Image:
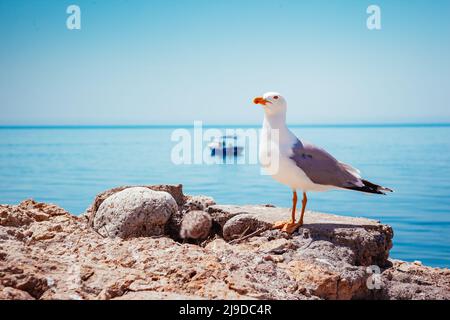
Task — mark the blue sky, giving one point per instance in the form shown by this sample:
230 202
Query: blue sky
173 62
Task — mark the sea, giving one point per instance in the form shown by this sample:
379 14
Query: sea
69 165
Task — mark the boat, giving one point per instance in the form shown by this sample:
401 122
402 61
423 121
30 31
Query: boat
225 146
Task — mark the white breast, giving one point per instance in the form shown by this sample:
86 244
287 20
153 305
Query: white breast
275 158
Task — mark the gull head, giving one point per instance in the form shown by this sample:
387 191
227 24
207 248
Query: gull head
272 102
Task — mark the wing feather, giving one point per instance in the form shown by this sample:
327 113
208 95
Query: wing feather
322 168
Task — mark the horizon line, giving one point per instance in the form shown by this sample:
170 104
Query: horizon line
162 126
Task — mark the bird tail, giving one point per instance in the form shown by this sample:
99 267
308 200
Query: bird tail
370 187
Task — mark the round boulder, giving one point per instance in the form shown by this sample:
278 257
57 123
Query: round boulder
242 225
196 225
134 212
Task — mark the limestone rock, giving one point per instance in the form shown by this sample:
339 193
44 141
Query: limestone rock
198 203
191 203
176 191
154 295
134 212
242 225
9 293
368 240
196 225
46 253
406 281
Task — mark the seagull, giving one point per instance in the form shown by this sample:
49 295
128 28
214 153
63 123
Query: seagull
301 165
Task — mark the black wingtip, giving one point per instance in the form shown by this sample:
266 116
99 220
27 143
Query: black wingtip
370 187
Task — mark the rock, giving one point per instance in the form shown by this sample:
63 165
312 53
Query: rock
24 280
191 203
369 240
134 212
176 191
242 225
196 225
9 293
46 253
406 281
277 246
198 203
153 295
27 212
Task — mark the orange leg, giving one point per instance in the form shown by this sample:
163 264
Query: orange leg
304 201
291 226
294 206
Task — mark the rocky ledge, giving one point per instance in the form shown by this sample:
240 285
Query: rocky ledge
154 242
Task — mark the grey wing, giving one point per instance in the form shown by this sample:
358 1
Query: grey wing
322 168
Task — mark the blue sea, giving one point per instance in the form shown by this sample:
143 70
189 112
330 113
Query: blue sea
68 166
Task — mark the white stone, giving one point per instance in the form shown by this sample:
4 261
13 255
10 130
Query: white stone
134 212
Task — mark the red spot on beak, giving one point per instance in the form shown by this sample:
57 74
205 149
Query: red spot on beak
260 100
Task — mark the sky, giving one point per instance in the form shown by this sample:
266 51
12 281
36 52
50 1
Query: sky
164 62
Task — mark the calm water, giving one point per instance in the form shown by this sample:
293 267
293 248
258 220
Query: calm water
69 166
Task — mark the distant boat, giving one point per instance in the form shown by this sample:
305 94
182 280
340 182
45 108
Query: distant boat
225 146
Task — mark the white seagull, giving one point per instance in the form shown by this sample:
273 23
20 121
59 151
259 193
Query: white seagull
301 165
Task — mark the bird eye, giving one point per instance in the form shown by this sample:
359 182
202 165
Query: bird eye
276 97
